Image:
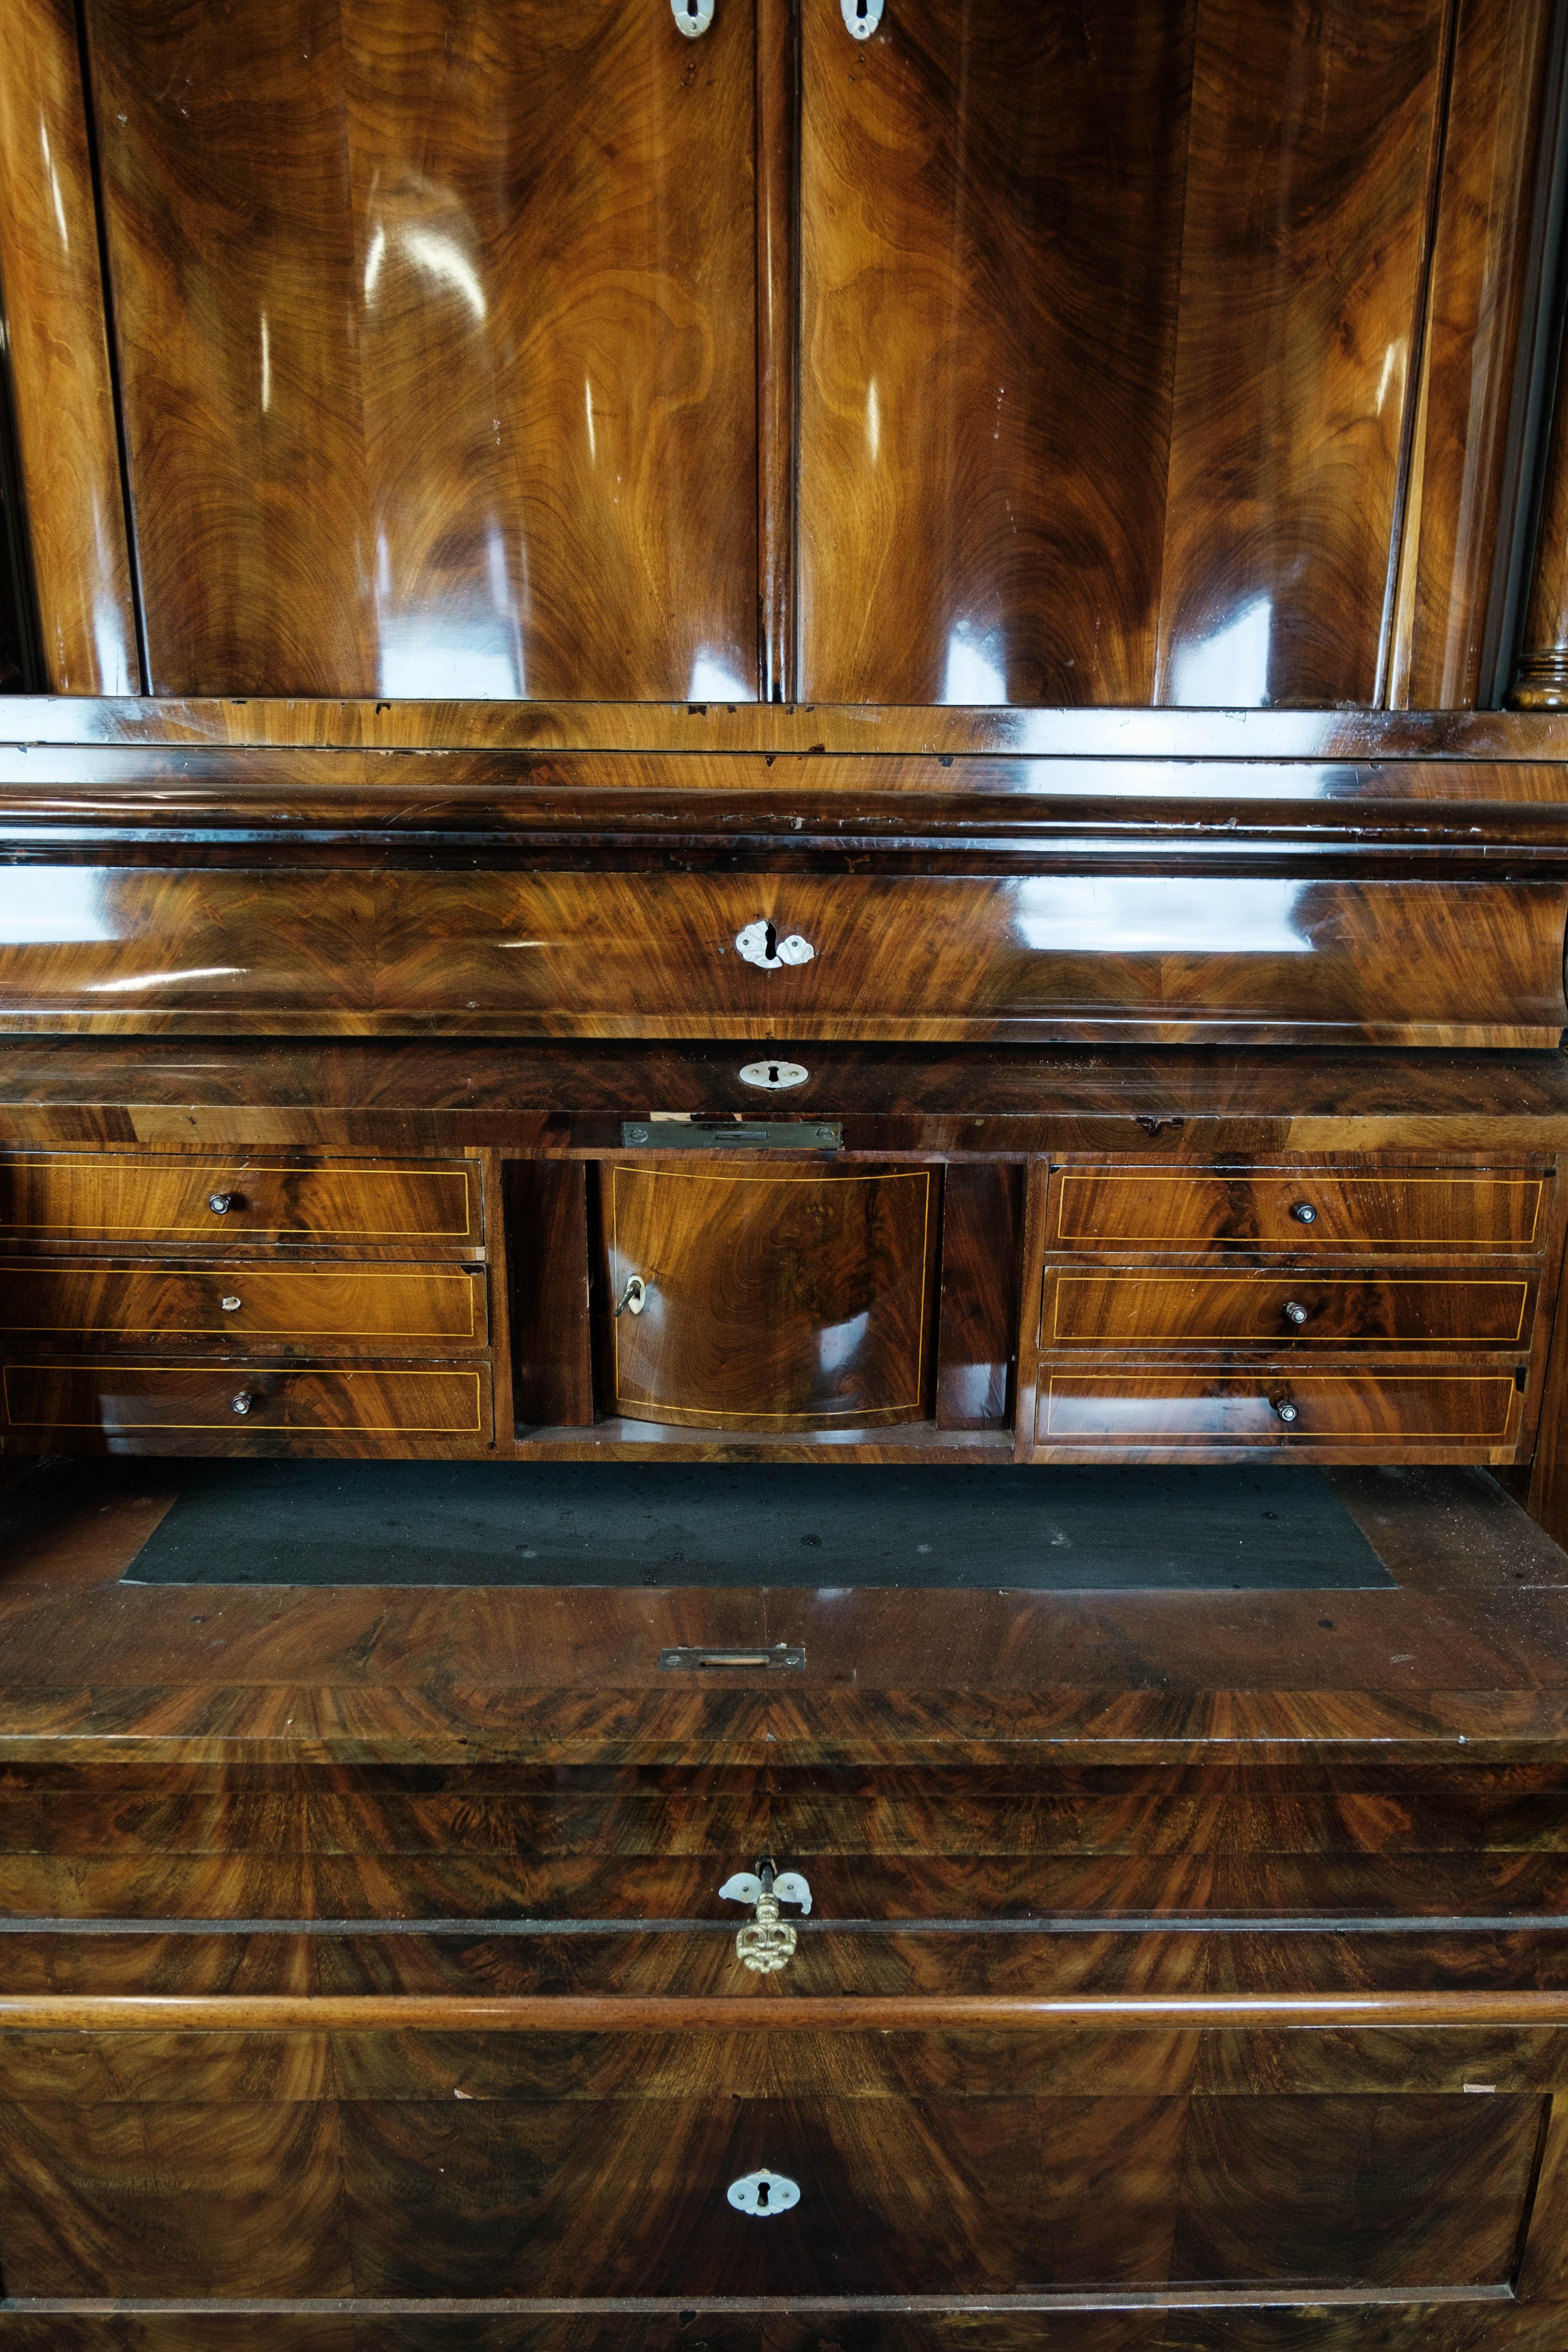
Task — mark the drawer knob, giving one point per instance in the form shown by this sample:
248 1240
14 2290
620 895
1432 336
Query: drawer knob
764 2193
1294 1311
1285 1408
242 1402
1304 1212
760 944
220 1204
233 1306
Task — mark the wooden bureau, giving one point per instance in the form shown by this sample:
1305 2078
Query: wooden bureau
828 733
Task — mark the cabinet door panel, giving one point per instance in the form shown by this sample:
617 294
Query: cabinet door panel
773 1299
991 234
1106 321
435 341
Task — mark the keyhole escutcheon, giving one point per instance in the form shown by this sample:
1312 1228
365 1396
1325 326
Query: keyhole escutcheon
763 2194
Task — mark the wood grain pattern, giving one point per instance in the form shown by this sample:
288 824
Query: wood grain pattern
1464 451
93 1198
1312 138
1137 1410
432 382
989 256
280 1312
774 1300
182 1405
1122 1308
778 345
1237 959
198 2199
57 346
926 731
978 1339
552 1331
1161 1210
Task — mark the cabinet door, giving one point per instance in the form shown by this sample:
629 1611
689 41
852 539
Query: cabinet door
436 343
1107 321
769 1299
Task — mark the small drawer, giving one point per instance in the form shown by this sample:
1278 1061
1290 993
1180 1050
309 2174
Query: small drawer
219 1203
1133 1408
244 1401
1296 1210
1088 1308
290 1308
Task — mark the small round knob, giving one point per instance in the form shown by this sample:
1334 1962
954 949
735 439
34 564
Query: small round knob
220 1204
1285 1408
1294 1311
241 1404
1304 1212
233 1306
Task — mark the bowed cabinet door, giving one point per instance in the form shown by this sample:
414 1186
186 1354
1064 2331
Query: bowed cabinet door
436 340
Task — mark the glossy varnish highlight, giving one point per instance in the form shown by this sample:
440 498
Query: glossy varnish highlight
435 341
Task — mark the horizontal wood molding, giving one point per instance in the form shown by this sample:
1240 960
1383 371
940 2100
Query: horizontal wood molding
54 2012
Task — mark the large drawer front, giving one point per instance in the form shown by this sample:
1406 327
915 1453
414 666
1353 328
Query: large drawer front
512 2188
1280 1404
1304 1209
217 1203
1232 957
292 1306
171 1398
1122 1308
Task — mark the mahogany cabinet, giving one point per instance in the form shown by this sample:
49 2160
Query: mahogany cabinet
768 730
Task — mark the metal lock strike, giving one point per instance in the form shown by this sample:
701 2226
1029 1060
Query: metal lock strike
766 1943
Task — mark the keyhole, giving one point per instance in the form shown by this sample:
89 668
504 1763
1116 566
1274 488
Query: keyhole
772 1074
691 8
773 941
860 10
762 2196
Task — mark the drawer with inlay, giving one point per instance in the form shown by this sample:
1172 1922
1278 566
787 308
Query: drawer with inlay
1117 1307
1298 1210
1131 1410
126 1404
287 1309
425 1209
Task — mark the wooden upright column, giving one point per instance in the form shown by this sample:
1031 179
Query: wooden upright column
1541 678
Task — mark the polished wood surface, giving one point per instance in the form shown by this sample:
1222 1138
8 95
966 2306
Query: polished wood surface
552 1349
1485 270
57 345
317 951
1312 138
282 1311
1120 1308
1541 678
989 258
968 731
978 1342
779 1301
1167 1106
1144 1413
1431 1209
241 1406
216 1204
517 2197
435 346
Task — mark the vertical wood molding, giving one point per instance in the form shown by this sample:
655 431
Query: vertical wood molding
1541 681
53 289
778 314
1464 456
